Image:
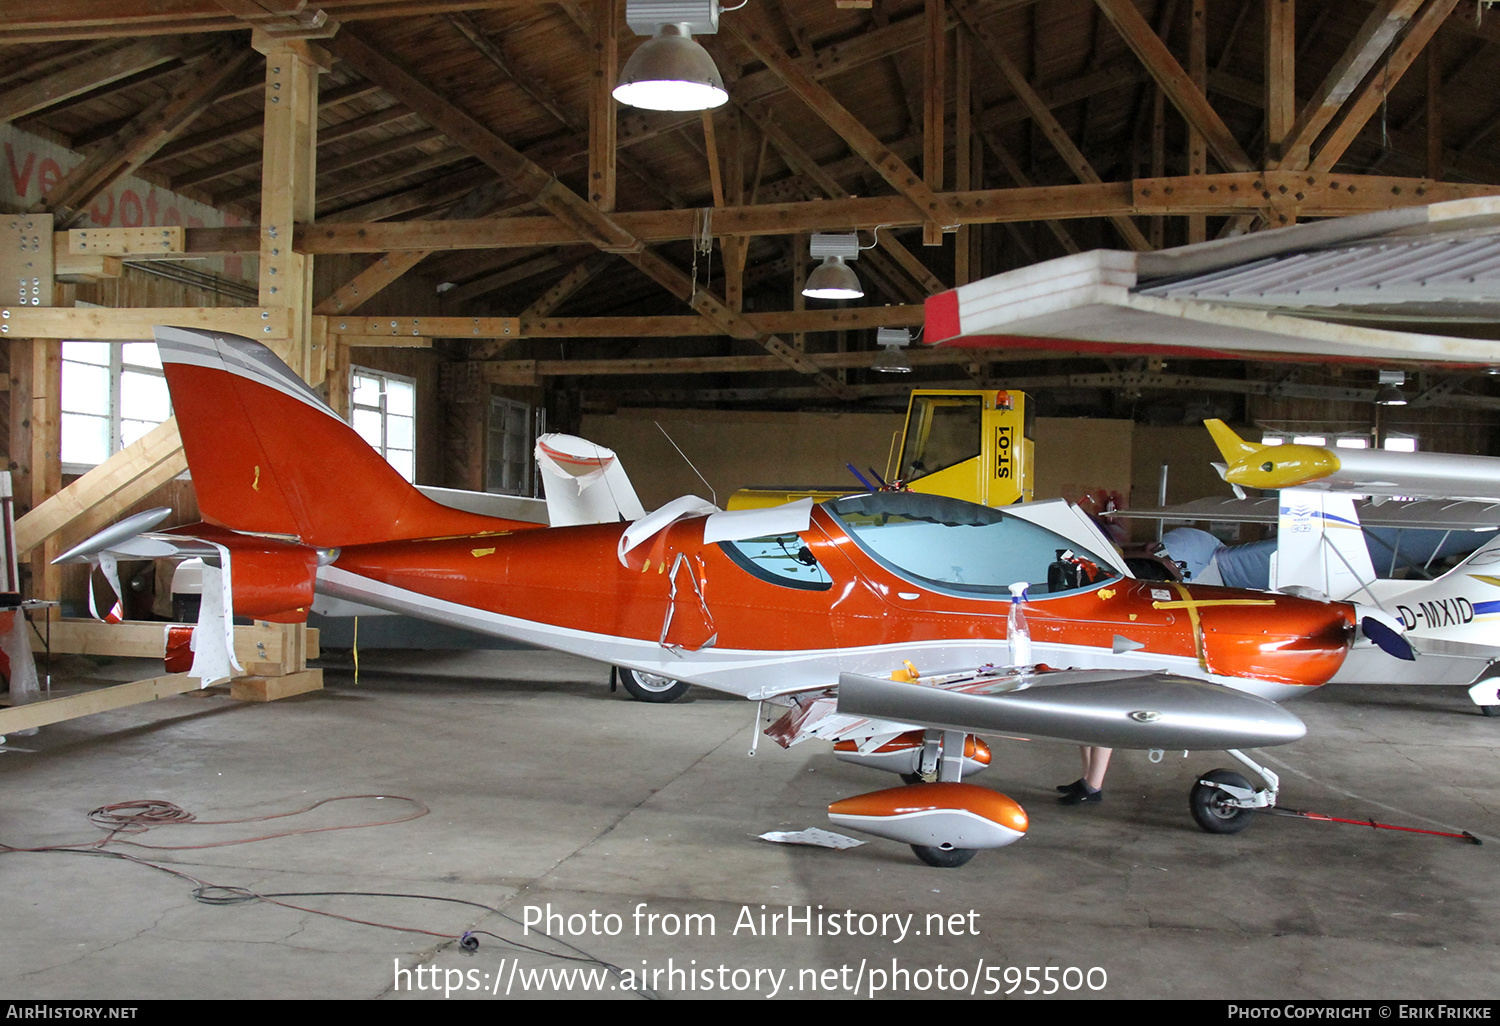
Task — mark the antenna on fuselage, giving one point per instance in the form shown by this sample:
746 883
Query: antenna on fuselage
713 496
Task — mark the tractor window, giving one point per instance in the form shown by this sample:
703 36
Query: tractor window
782 559
941 432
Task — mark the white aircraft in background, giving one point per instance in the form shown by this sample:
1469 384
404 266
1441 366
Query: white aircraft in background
1453 622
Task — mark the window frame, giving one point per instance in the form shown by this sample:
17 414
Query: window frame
115 371
382 410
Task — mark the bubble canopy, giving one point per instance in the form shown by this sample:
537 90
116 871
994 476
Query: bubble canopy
957 547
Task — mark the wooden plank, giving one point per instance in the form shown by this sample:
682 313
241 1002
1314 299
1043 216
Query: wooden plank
157 241
1175 82
1435 108
56 710
1384 23
154 453
394 329
264 323
265 646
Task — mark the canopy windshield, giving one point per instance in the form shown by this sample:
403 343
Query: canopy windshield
963 548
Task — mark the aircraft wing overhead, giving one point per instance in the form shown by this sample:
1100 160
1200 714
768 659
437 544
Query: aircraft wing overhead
1435 514
1120 709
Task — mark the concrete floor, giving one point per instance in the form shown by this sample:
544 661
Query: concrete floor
545 789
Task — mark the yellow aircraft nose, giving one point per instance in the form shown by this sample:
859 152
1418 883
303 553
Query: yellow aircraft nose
1282 466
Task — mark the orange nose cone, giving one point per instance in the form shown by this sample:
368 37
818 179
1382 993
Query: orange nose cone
1282 466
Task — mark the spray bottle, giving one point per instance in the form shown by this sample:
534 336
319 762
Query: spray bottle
1016 631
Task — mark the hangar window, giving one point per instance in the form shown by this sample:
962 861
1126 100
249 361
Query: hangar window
112 394
782 559
383 409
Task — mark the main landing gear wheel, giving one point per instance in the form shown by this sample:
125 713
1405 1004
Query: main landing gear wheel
1210 807
1490 710
944 858
652 687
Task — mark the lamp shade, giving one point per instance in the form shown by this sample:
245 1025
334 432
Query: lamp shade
670 71
833 279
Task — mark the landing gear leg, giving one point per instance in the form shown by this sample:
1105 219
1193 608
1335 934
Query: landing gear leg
1223 802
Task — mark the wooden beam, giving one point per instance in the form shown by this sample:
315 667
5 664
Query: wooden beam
1208 194
1175 82
604 39
146 133
1384 23
850 129
595 226
86 76
934 107
1042 116
1373 94
152 455
799 161
1280 74
264 323
570 283
1435 109
1197 152
390 267
46 455
515 372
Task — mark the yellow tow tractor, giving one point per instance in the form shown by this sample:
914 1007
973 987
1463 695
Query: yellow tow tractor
972 444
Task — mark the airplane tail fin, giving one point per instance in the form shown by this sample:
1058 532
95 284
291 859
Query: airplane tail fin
268 456
1319 546
584 483
1229 443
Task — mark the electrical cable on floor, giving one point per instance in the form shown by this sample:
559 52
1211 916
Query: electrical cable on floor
137 817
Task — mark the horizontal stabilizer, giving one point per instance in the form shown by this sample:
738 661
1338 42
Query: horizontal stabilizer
1120 709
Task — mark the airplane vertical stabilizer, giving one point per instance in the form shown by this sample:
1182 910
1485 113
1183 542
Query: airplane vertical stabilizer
584 483
267 455
1320 546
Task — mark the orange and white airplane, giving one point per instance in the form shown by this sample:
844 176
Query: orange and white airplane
820 609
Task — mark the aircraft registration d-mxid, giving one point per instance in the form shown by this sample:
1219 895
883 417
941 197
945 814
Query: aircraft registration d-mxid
1022 625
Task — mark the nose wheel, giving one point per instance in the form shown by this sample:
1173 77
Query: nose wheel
944 857
1224 802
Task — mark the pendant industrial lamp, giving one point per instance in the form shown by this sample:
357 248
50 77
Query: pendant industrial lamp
1389 393
834 278
892 358
670 71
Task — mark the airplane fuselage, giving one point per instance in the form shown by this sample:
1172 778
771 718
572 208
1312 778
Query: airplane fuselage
690 610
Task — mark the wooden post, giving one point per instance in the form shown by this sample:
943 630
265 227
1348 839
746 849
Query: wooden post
1198 70
935 75
1281 74
602 123
46 463
287 190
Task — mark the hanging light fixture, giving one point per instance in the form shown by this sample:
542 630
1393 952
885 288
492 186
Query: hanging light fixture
893 343
834 278
670 71
1389 393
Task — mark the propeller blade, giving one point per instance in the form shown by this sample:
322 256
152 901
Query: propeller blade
1389 640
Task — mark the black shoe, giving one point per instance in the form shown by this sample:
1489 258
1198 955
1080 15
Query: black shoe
1086 796
1076 786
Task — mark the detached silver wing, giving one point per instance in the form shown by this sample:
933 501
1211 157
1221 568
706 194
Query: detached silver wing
1118 709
